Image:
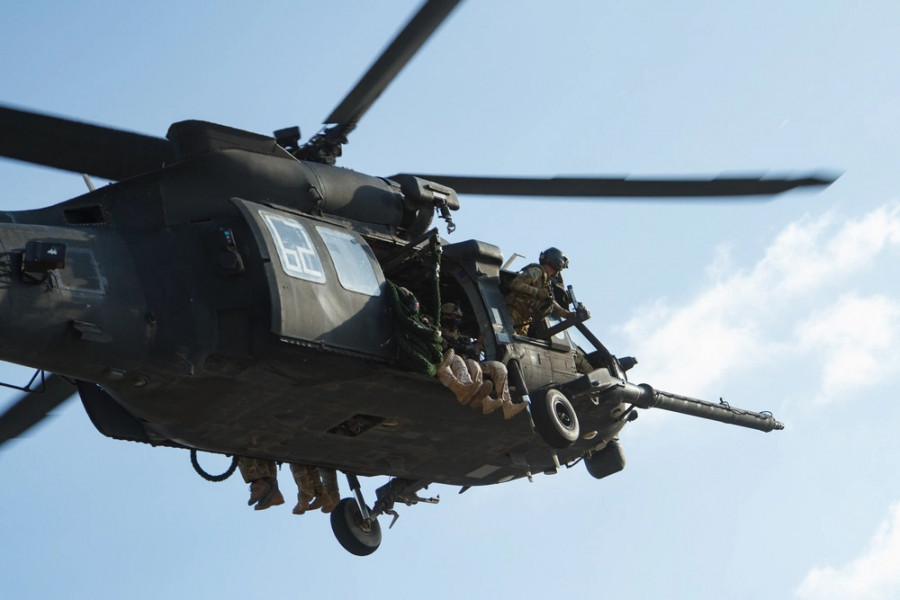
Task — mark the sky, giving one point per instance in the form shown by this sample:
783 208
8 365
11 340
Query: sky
788 305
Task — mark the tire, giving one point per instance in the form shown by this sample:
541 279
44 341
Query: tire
348 528
555 419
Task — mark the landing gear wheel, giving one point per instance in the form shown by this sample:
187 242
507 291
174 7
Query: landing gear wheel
352 532
555 418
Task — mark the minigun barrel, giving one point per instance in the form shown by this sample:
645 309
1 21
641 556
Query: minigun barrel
722 412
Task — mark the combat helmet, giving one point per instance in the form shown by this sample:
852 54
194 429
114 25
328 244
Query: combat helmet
555 258
451 309
451 315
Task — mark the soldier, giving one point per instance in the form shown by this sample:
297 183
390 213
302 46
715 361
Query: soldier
531 292
464 378
317 486
461 345
263 480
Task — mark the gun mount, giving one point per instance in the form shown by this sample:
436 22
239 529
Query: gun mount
608 385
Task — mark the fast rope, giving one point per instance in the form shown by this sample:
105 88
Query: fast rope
436 252
215 478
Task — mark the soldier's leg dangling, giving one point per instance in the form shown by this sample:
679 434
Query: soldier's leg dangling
262 477
330 482
496 370
454 374
481 389
304 478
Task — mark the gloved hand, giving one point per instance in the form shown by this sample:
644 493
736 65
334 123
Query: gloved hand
542 293
582 313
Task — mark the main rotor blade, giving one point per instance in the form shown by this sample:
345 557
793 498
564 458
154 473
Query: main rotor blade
391 61
80 147
31 408
626 187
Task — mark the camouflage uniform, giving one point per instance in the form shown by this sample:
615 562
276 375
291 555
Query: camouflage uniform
263 480
464 378
527 301
494 370
317 486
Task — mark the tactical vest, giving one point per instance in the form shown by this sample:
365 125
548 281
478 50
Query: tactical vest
526 307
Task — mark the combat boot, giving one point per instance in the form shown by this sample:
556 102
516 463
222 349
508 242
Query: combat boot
303 477
462 387
481 396
259 473
329 481
466 392
258 489
322 498
490 404
271 496
510 410
302 505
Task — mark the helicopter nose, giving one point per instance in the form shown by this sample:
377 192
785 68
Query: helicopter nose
25 295
71 301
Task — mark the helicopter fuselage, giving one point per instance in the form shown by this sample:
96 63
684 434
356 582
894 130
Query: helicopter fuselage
237 301
232 303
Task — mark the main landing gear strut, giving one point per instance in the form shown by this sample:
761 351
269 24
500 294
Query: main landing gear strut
356 526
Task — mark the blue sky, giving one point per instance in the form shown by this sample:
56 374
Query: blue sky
789 305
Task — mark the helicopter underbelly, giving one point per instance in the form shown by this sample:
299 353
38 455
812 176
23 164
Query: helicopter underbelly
354 416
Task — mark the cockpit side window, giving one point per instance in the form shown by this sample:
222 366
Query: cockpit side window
352 261
296 250
561 339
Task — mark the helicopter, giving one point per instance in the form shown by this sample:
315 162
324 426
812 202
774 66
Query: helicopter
224 266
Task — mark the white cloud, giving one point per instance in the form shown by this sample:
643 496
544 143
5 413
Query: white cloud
803 259
747 318
722 265
856 338
873 575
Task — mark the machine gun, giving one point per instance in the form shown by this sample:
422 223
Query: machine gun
604 387
645 396
606 401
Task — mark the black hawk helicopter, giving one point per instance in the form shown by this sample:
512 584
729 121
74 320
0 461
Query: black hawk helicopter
236 293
